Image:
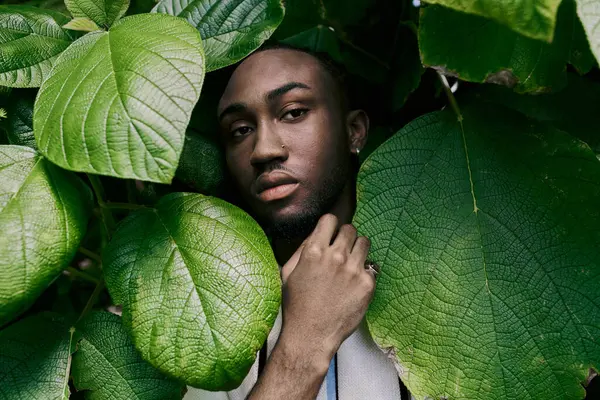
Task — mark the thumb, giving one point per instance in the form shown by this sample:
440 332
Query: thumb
289 266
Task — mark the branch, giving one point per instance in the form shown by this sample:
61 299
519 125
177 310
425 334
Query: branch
83 275
122 206
92 300
90 254
108 221
450 96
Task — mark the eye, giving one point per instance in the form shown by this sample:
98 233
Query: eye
241 131
294 114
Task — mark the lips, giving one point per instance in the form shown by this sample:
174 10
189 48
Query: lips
274 186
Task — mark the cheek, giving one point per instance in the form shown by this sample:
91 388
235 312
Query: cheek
322 146
238 166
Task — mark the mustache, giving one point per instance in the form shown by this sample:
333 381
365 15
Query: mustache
273 167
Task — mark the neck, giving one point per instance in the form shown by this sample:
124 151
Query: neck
343 209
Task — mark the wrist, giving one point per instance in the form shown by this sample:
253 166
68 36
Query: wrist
304 353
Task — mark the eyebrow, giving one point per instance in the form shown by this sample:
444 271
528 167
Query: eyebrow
272 95
280 91
231 109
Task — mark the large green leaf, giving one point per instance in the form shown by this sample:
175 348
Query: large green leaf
230 29
589 13
202 164
103 12
323 39
30 41
488 241
108 367
490 52
35 357
574 109
300 15
533 18
43 214
118 102
19 121
199 286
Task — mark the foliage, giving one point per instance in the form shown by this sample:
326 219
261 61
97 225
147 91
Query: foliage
522 219
483 215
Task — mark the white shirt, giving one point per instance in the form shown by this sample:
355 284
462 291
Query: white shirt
359 371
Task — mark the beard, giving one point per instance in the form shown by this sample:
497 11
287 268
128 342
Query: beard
291 228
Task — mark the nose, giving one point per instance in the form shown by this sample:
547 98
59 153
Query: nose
268 147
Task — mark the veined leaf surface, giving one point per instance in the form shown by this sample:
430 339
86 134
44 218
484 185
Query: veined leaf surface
230 29
199 285
103 12
19 121
35 358
108 367
117 103
487 236
43 214
30 41
533 18
490 52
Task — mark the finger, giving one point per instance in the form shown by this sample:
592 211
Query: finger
290 265
324 230
345 238
360 250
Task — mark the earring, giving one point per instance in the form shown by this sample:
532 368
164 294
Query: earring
283 146
357 151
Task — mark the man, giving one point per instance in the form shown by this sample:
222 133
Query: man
291 144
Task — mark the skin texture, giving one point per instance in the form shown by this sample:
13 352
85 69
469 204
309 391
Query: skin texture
284 123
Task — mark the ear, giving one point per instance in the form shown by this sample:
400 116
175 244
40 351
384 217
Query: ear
357 125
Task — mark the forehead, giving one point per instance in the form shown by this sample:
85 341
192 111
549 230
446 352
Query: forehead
270 69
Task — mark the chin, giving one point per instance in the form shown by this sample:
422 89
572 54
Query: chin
290 221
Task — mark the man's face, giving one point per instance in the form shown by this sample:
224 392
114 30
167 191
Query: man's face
286 141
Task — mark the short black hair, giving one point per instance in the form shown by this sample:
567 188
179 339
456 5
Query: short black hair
335 70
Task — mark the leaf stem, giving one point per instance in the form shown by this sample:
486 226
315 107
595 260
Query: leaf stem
122 206
83 275
97 187
93 299
90 254
108 222
450 96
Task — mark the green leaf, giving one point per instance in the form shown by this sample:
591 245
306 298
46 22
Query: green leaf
199 285
82 24
43 214
300 15
323 39
107 365
201 166
581 57
30 41
406 68
35 358
533 18
117 103
19 121
487 235
574 109
589 13
103 12
490 52
230 29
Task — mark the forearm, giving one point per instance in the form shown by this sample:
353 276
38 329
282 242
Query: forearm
291 373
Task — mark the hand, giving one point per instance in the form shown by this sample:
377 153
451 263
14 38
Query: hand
326 289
